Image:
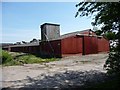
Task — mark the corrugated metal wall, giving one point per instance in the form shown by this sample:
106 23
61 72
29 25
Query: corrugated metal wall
26 49
71 45
103 45
90 45
51 48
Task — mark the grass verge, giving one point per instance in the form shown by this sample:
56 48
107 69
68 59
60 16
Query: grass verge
13 58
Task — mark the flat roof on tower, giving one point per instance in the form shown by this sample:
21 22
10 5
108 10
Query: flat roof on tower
50 24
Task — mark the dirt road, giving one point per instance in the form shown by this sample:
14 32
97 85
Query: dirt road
65 72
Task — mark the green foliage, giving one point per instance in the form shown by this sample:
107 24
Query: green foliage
6 57
110 35
108 15
98 32
12 58
113 63
33 59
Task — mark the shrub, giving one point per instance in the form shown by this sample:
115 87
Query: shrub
33 59
13 58
6 57
113 63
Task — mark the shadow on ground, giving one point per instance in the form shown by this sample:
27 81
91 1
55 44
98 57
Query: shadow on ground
61 81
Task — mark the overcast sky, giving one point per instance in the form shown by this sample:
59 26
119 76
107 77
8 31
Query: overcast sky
21 20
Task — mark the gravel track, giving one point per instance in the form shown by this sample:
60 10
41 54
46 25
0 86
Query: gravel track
68 71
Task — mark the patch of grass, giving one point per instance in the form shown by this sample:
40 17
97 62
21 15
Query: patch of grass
33 59
7 59
13 58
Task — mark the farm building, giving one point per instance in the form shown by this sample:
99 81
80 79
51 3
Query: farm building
52 44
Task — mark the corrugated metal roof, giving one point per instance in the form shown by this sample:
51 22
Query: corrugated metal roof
61 37
73 33
29 44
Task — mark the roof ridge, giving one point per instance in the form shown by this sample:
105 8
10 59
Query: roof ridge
73 33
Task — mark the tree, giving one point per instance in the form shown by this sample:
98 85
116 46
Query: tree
99 32
34 40
24 42
110 35
112 40
18 43
106 14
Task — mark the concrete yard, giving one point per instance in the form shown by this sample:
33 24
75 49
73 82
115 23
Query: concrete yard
68 71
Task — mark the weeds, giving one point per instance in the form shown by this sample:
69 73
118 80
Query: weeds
12 58
33 59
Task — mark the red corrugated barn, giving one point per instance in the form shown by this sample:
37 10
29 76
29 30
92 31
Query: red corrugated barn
52 44
80 42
